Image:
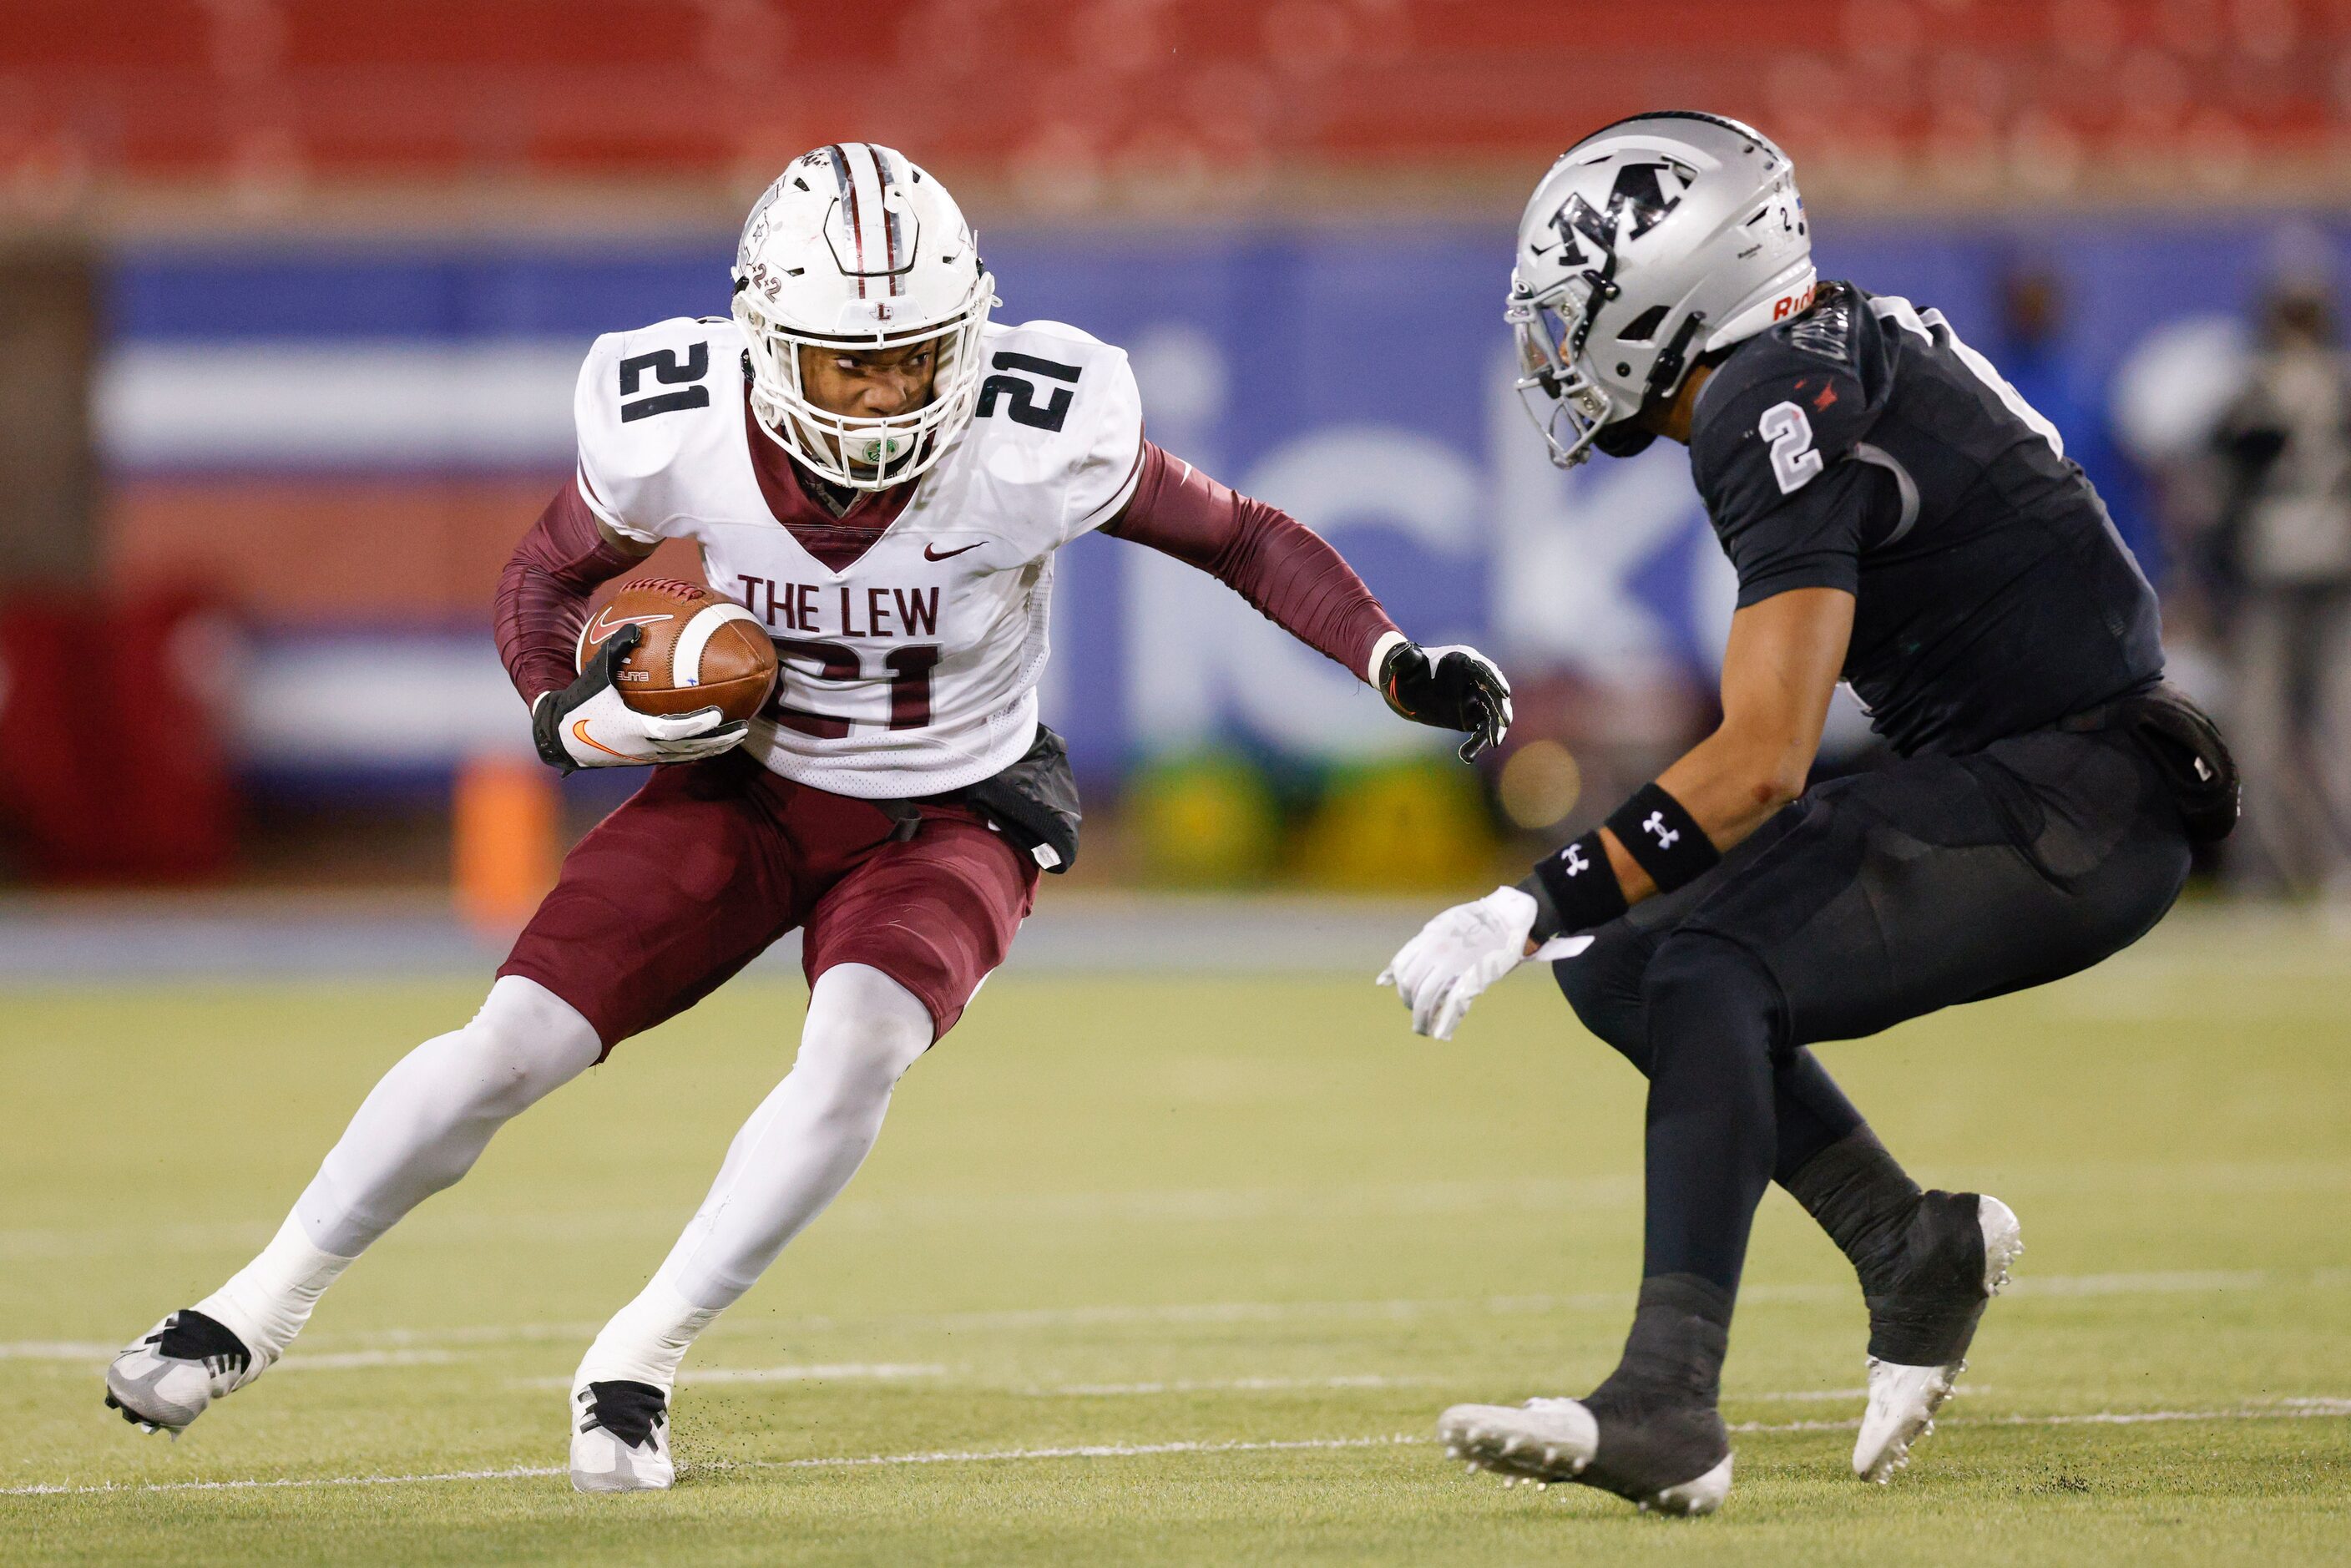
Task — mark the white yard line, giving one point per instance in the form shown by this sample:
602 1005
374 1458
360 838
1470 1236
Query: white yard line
354 1360
1223 1384
2153 1283
842 1371
2173 1282
2283 1410
520 1472
1148 1205
2300 1408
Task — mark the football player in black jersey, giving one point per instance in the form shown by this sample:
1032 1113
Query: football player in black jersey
1900 518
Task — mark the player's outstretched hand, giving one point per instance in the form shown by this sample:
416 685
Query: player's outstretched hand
1456 956
1453 687
586 725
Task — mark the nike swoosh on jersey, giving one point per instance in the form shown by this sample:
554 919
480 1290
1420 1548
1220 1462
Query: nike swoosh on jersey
933 553
605 625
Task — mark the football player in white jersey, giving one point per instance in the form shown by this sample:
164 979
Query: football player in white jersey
881 474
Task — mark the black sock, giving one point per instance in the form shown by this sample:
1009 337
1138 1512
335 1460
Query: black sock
1681 1331
1712 1137
1811 1111
1863 1199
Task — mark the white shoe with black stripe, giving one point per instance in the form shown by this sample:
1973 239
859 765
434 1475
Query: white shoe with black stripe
167 1377
620 1438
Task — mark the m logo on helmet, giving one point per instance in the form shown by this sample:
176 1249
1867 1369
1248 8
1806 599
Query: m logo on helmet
1643 195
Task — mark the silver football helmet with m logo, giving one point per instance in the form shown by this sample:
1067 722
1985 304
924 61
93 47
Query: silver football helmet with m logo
1652 241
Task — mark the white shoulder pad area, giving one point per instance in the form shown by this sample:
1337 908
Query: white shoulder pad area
1060 407
643 399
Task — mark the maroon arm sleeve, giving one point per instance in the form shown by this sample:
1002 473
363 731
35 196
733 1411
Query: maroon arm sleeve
543 593
1267 557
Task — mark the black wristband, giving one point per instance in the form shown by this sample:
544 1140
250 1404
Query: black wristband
1663 839
1582 886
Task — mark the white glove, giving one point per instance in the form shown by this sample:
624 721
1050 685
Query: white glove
1464 950
586 725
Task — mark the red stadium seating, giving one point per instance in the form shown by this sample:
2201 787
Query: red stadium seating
1057 96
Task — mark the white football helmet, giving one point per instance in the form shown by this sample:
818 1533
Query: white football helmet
1651 242
855 247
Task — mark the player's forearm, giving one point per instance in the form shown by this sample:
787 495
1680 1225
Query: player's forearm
1731 784
543 593
1779 670
1286 570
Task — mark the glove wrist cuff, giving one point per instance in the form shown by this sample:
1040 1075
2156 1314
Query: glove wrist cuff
545 737
1375 668
1548 923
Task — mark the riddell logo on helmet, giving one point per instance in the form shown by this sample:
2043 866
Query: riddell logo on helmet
1789 305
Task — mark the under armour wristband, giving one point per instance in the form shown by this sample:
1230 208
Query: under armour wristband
1579 889
1663 837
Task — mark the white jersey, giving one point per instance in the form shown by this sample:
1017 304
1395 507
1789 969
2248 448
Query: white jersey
912 669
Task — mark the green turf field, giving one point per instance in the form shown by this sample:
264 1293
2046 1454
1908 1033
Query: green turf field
1181 1271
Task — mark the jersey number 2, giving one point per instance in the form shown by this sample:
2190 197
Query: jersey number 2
1793 461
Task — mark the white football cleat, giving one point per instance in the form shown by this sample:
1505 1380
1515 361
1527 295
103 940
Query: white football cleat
164 1380
1548 1441
620 1438
1903 1400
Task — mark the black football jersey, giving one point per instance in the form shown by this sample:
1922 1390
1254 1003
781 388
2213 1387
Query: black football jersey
1862 446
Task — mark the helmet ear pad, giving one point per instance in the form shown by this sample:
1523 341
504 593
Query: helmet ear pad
1623 439
1627 438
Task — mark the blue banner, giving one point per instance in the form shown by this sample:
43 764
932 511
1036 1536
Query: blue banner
1355 375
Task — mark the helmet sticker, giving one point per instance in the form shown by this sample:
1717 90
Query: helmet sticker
1643 196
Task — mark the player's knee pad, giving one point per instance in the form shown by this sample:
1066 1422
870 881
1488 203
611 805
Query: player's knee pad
863 1031
530 1042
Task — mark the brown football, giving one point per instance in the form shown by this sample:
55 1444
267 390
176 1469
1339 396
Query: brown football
700 649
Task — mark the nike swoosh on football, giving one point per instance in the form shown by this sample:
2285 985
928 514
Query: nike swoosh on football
601 631
931 552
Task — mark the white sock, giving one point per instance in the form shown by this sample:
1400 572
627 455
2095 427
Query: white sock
428 1120
266 1302
422 1127
646 1339
789 1161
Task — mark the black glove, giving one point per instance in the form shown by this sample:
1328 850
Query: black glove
586 725
1454 687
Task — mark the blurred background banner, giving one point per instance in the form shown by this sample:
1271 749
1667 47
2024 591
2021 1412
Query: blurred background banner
299 291
347 441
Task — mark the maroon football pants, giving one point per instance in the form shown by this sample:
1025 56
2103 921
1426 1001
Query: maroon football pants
710 862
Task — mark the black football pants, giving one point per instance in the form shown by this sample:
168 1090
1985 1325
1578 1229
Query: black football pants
1870 900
